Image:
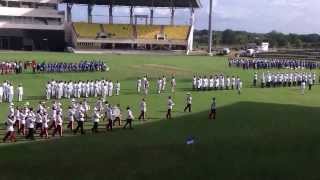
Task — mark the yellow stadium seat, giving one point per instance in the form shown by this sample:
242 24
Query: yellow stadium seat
176 32
86 30
148 31
118 31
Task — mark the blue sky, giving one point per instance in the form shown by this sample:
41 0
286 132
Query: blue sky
288 16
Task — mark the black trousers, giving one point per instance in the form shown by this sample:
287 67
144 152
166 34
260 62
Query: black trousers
128 122
58 129
95 127
142 115
188 107
11 135
109 125
30 134
80 126
115 120
168 114
212 114
38 126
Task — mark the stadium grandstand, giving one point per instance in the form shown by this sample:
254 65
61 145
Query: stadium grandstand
139 31
31 25
39 25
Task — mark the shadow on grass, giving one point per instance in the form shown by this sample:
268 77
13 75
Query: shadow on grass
247 141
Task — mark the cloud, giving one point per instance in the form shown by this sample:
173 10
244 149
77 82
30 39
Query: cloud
297 16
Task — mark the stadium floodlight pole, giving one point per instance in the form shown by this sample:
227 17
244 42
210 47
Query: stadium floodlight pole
210 29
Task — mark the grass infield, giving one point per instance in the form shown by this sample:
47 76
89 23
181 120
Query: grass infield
261 134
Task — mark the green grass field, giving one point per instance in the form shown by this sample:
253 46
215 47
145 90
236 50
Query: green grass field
261 134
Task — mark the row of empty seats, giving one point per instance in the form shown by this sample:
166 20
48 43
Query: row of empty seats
125 31
148 32
86 30
176 32
120 31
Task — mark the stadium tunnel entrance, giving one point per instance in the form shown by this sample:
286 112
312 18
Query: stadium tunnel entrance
43 40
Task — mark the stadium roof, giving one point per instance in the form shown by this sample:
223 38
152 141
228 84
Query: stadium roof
142 3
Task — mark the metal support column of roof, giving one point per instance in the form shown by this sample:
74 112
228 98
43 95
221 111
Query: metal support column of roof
210 29
90 7
131 14
151 16
172 16
110 14
69 15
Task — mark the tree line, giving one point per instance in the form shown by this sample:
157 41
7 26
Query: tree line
242 38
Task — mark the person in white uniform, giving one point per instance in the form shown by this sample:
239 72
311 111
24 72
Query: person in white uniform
11 93
170 104
159 85
173 84
20 92
1 93
129 119
96 119
139 84
117 88
10 130
143 110
303 87
188 103
110 88
164 82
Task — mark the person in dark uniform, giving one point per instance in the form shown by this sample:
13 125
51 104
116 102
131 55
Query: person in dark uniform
213 109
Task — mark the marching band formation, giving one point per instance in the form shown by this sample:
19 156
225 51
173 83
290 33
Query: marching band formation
51 120
10 67
301 79
274 63
28 122
83 66
82 89
217 82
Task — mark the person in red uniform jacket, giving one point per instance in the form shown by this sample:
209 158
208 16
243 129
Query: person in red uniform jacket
34 65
